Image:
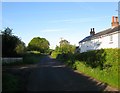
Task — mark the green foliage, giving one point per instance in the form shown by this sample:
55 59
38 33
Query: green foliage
49 52
20 48
11 45
105 76
29 58
34 52
54 54
66 47
93 58
64 52
101 64
38 44
10 82
104 58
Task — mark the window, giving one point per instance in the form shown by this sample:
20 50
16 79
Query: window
111 38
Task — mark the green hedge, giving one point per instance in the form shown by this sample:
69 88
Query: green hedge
109 77
101 64
104 58
28 58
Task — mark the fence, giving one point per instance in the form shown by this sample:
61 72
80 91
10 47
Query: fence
9 60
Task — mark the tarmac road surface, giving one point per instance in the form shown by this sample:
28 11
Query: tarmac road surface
51 75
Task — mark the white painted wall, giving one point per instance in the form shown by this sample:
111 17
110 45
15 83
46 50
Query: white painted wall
103 42
11 60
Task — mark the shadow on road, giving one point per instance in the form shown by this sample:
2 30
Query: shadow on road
51 75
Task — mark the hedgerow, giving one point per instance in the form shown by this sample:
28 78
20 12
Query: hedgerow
101 64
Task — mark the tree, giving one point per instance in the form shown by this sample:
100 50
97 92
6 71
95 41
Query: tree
9 43
66 47
64 42
20 48
39 44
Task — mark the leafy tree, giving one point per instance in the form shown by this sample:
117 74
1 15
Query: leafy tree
9 43
66 47
20 48
64 42
64 52
39 44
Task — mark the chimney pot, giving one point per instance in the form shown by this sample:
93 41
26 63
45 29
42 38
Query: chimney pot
93 31
115 21
112 19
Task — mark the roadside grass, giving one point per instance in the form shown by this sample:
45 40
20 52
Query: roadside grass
102 64
108 77
32 58
10 82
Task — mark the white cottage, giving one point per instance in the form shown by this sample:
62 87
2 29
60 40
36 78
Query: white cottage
108 38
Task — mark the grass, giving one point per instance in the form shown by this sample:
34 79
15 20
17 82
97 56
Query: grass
32 58
102 75
10 82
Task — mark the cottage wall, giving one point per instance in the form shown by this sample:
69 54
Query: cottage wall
104 41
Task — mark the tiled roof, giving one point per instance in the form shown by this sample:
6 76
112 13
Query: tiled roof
107 31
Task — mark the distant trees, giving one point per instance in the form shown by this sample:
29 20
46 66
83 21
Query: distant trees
39 44
11 44
65 48
20 48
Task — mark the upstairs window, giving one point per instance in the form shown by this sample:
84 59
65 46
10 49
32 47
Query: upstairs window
111 38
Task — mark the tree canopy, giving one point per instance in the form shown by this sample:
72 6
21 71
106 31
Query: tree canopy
10 44
38 44
66 47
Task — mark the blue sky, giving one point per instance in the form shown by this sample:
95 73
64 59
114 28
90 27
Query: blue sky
70 21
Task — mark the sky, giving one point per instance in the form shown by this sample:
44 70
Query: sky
55 20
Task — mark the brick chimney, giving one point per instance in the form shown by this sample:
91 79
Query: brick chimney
115 21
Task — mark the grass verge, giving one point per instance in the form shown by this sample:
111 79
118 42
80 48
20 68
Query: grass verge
10 82
13 82
102 75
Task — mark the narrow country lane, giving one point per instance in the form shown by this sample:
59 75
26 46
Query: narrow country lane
50 75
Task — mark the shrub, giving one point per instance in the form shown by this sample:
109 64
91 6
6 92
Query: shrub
103 58
101 64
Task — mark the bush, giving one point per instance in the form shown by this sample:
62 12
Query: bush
105 75
104 58
101 64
